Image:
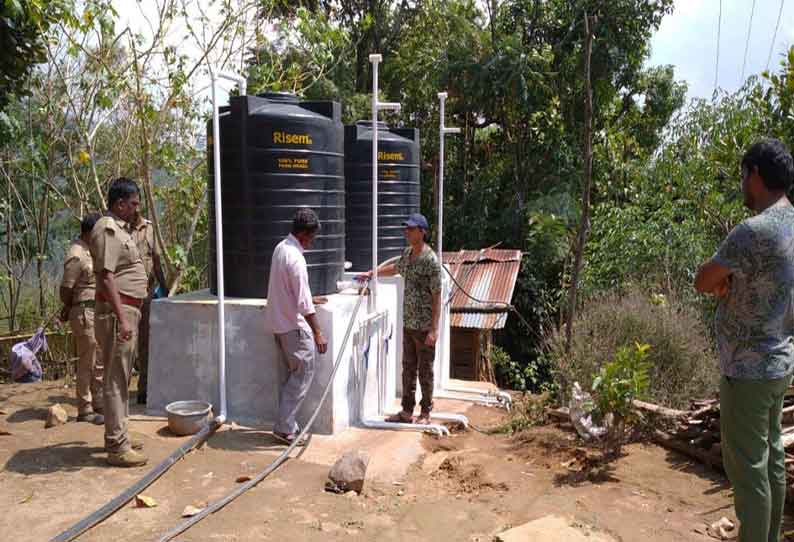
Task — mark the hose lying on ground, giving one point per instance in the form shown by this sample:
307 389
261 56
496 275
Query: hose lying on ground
111 507
217 505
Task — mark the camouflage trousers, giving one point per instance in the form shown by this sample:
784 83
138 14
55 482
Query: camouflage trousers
418 361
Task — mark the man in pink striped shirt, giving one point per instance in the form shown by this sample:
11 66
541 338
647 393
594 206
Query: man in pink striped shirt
291 317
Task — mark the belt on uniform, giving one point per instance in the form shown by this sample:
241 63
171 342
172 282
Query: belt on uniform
88 303
125 300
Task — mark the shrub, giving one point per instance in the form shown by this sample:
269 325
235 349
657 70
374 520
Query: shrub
682 360
617 384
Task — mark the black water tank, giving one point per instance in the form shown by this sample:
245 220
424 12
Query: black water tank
277 154
398 190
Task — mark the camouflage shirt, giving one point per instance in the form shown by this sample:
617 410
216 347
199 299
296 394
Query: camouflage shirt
755 321
422 279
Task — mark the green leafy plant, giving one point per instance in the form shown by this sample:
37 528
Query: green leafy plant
618 383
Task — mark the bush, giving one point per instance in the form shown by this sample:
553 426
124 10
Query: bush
682 361
618 383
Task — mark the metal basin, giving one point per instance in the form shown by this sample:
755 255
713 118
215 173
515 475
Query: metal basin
188 417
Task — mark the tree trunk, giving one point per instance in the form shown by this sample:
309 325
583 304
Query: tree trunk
584 223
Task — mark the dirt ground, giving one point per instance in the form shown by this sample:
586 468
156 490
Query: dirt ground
467 487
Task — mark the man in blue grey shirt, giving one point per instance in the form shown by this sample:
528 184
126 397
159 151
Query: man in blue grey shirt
753 275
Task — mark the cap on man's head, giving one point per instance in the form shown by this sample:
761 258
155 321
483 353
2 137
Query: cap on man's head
417 220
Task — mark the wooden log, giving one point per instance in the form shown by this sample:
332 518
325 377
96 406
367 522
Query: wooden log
699 413
671 443
560 414
788 440
660 410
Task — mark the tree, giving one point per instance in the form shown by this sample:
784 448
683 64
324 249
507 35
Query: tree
23 27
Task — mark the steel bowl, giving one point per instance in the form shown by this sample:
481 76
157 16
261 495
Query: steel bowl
188 417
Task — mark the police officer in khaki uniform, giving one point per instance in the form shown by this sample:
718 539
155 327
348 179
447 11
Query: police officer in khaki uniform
77 294
121 290
143 233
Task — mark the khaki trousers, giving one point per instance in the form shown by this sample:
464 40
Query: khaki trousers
117 358
89 368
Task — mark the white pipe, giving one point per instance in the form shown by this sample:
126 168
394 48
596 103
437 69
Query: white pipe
444 417
490 398
216 158
442 131
498 398
380 423
377 106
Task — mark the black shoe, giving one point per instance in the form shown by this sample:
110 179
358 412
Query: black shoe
141 397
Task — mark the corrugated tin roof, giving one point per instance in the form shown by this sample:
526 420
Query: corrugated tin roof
489 275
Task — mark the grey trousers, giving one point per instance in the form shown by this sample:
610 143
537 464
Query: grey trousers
297 354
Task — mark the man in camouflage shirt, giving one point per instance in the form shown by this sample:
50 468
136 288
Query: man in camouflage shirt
421 271
752 274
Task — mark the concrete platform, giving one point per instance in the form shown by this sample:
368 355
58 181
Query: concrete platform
183 357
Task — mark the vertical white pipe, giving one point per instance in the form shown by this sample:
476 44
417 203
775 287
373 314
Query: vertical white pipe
377 105
373 285
216 159
442 131
442 96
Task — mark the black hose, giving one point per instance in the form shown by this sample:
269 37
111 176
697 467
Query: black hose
111 507
217 505
508 306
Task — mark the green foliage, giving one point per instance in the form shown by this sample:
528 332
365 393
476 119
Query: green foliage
23 27
622 380
529 410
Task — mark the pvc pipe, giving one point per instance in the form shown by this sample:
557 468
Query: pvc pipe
442 131
499 398
381 423
216 158
445 417
377 106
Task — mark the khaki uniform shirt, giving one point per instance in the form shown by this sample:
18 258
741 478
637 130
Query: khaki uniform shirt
78 272
114 249
143 233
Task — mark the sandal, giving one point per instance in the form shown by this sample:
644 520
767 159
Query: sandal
289 439
400 417
424 418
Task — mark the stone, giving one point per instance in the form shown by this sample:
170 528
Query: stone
552 529
348 473
56 415
433 462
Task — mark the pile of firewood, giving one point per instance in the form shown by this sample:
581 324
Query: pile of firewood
696 432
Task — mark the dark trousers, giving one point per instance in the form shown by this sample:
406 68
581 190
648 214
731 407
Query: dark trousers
142 360
417 362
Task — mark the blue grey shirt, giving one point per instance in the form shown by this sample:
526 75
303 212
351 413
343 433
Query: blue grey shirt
755 321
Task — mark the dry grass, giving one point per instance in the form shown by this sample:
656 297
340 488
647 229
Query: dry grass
683 361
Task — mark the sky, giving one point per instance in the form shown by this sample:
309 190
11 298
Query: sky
687 39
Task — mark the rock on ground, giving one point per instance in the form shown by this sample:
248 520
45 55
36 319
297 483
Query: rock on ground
56 415
348 473
552 529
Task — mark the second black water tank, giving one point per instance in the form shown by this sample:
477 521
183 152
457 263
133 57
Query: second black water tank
398 190
277 154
